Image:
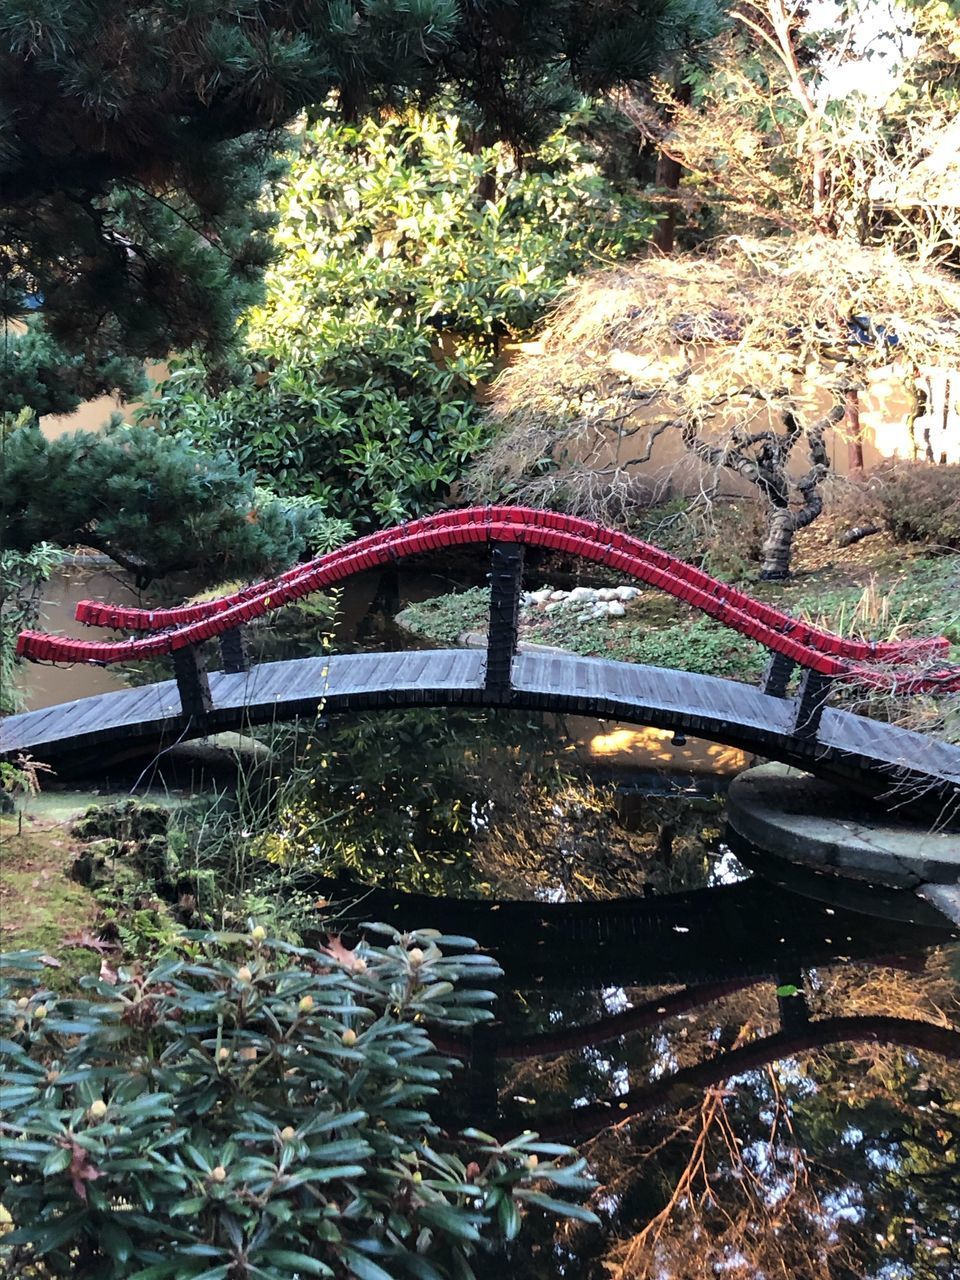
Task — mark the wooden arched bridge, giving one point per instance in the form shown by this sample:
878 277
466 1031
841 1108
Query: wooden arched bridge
799 729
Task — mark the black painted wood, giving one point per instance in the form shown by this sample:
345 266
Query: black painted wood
776 676
233 650
506 582
793 1009
811 699
193 685
872 756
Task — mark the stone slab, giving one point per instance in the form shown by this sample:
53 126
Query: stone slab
817 824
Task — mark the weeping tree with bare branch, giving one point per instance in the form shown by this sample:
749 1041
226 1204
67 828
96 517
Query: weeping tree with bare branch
748 357
740 361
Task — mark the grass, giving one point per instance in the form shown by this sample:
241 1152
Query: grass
443 619
39 904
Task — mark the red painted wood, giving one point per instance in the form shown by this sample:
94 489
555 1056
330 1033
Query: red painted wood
810 646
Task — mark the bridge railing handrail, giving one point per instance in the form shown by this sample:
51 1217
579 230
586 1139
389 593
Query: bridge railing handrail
95 613
797 642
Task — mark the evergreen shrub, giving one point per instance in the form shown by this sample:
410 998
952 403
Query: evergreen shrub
395 288
156 504
250 1109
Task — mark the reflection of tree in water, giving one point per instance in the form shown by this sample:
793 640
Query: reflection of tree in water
812 1160
833 1164
467 802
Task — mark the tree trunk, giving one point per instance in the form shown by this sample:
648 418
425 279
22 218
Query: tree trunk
668 180
778 545
854 431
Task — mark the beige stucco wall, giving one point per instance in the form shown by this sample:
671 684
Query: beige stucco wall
885 408
93 415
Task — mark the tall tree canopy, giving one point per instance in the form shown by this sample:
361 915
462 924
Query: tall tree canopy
135 140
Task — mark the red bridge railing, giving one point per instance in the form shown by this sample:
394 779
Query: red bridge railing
794 641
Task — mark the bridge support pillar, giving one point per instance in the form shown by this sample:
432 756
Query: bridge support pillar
233 651
196 700
776 676
506 581
483 1078
811 699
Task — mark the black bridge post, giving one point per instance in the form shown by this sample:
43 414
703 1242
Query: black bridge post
794 1010
482 1068
233 651
776 676
196 701
811 699
506 581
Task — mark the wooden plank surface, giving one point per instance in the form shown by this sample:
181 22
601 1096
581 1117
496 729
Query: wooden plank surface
708 706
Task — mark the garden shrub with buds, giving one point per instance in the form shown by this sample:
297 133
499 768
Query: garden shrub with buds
251 1109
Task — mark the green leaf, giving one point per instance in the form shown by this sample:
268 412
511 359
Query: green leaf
187 1207
115 1241
363 1268
297 1262
509 1218
159 1271
56 1161
446 1218
560 1207
324 1175
49 1235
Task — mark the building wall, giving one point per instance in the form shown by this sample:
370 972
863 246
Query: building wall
94 415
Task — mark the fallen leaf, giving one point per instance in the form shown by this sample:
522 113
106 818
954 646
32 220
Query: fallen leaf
92 941
51 962
343 955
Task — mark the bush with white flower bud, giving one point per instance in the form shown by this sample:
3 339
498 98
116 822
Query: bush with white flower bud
248 1108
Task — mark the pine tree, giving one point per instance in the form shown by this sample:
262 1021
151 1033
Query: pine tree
135 140
156 505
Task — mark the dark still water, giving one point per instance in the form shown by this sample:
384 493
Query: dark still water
763 1068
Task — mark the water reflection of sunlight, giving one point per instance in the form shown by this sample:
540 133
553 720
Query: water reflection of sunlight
639 747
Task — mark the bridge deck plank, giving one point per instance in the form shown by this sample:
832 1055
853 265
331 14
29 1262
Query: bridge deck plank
847 744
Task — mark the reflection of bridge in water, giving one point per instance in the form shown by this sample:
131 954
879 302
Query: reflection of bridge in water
798 727
710 943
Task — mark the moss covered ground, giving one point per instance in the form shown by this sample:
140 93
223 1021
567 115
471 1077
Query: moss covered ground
41 907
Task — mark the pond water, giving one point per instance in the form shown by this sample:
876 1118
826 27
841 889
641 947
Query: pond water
762 1068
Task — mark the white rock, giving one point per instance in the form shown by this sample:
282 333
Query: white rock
627 593
606 593
554 605
579 594
558 595
615 609
541 596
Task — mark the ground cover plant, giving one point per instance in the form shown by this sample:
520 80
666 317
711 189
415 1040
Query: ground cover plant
248 1109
